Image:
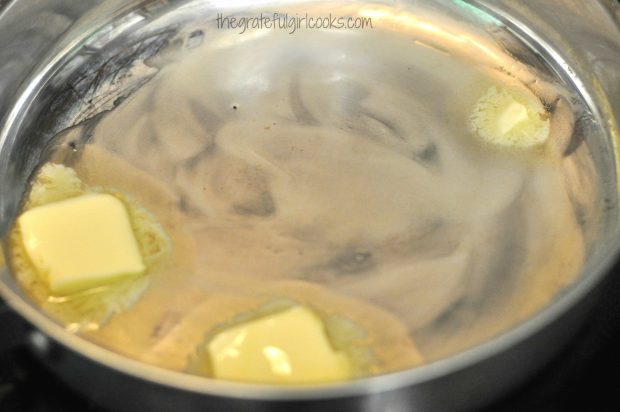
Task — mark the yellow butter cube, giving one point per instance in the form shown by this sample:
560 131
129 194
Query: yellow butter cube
288 347
80 243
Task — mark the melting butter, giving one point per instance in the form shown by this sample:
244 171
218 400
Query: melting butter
81 243
83 253
510 117
289 347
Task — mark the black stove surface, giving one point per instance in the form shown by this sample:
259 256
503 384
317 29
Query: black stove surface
584 377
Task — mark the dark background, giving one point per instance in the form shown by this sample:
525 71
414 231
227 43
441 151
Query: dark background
584 377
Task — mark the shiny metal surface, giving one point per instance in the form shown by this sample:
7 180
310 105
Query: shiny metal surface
590 52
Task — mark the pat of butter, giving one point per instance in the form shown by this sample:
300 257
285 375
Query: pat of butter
286 347
80 243
511 116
